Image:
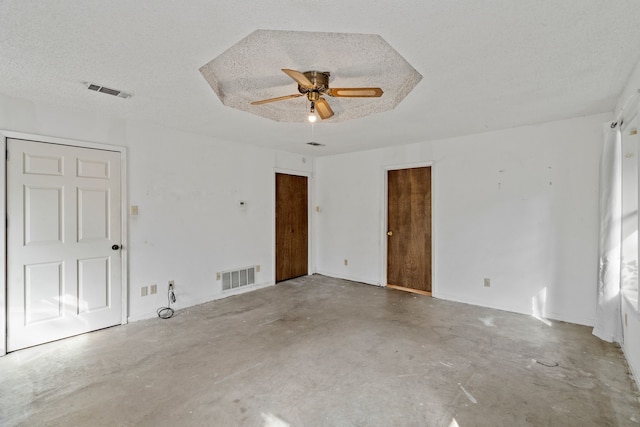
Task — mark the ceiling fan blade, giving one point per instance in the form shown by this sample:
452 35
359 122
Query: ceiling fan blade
355 92
280 98
323 109
300 78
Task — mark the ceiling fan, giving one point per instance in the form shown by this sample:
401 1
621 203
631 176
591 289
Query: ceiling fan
314 84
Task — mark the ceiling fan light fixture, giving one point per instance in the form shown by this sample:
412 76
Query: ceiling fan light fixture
312 114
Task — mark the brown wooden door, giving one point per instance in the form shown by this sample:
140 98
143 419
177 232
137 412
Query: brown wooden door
291 226
409 228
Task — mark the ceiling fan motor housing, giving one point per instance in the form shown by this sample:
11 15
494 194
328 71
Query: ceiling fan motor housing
320 81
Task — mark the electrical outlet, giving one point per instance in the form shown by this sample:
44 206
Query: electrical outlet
487 283
258 268
144 291
171 285
346 261
218 276
153 289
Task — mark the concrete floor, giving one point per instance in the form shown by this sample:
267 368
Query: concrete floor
317 351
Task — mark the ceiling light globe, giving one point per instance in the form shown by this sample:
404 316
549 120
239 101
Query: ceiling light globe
312 118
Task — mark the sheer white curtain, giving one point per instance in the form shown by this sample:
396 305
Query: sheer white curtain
608 318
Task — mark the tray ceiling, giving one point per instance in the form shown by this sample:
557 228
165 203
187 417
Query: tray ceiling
250 70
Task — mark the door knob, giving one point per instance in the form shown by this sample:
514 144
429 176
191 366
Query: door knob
389 233
116 247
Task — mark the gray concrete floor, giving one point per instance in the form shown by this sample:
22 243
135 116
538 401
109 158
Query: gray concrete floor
317 351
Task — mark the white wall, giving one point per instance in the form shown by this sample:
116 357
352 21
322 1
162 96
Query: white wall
628 106
529 237
518 206
187 187
631 334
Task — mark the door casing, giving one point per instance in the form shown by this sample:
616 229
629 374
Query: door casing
4 135
385 221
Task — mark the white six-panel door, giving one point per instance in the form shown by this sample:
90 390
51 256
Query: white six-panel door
64 264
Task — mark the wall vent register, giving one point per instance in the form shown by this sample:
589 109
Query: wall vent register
233 279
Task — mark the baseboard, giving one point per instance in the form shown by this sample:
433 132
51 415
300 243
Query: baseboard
520 310
142 316
440 295
192 303
584 321
345 277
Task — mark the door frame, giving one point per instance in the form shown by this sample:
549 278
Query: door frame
385 220
6 134
311 267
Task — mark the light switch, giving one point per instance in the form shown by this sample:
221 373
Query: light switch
134 210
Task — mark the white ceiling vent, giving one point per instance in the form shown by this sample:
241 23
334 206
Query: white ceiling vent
108 91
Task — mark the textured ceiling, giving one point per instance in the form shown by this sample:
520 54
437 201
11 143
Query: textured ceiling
354 60
485 65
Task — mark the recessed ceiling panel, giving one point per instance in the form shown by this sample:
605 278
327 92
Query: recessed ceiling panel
251 71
